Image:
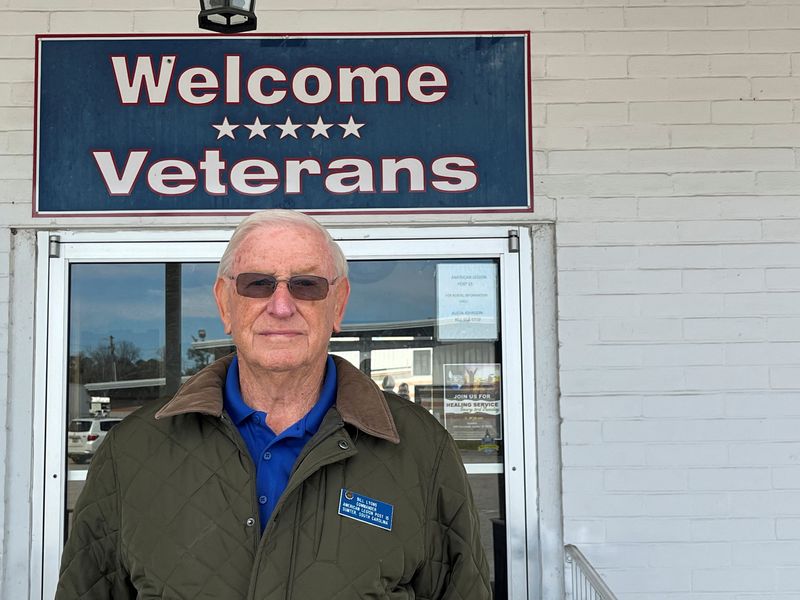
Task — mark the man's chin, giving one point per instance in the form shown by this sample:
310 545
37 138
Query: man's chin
277 362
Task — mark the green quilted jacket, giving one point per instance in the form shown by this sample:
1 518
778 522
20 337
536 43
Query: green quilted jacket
169 508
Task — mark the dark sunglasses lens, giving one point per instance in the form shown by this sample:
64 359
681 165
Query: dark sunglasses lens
308 287
255 285
301 287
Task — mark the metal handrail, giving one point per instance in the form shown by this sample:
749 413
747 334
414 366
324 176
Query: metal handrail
586 581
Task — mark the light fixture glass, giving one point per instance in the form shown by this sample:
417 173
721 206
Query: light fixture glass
227 16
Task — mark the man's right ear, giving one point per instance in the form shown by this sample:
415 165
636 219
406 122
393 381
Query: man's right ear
223 303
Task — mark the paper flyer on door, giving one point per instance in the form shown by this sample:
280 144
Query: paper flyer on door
472 401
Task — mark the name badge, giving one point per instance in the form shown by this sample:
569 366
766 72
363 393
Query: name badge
366 510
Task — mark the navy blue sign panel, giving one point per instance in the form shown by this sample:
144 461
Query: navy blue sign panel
324 123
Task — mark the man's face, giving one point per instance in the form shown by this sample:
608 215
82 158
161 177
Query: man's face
281 333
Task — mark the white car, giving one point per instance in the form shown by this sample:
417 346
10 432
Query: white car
85 436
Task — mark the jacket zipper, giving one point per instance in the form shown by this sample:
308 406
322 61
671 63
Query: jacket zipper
234 435
323 434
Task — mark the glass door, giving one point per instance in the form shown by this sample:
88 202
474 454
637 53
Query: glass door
437 323
429 330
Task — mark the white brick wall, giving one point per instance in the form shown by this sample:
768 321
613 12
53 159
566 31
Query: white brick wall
16 101
678 230
666 153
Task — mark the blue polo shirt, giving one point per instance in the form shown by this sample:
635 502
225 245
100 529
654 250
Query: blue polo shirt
274 455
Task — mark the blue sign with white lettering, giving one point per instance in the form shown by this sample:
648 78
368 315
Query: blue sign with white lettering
148 124
365 509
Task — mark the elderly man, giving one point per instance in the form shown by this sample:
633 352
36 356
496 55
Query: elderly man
280 471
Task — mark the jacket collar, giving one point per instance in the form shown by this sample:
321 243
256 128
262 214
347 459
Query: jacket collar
359 401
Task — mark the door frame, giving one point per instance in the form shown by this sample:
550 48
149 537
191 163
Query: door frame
57 250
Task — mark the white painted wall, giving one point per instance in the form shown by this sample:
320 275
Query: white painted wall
665 135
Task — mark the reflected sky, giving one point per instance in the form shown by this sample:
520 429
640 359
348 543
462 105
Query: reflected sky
127 301
391 291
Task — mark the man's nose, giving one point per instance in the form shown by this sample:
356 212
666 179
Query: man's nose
281 303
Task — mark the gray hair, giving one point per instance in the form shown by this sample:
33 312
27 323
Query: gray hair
277 217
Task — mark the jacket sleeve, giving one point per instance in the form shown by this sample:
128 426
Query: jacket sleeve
456 568
90 566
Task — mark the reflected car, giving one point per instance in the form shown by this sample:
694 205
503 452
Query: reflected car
85 436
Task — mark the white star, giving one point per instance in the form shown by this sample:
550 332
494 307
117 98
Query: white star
288 128
320 128
257 129
225 129
351 128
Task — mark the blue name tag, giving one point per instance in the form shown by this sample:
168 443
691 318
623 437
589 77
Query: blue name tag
364 509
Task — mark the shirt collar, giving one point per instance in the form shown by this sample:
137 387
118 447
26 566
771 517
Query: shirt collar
239 410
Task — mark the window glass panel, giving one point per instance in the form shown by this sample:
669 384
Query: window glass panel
136 331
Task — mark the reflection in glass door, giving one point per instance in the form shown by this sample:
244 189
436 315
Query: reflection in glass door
427 329
132 335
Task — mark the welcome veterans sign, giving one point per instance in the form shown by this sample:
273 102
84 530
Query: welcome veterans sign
325 123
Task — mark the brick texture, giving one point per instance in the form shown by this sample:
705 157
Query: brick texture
678 296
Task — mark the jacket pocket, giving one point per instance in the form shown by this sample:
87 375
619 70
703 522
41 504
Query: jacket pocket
328 521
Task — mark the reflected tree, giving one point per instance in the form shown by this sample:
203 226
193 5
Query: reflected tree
198 359
115 361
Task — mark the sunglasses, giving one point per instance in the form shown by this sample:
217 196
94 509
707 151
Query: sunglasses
301 287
